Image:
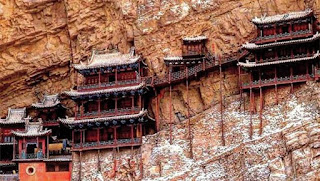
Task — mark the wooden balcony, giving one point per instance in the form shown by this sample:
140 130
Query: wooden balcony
277 81
108 85
107 144
109 113
283 36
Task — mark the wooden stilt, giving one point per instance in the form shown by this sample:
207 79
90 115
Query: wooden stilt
276 86
221 105
170 114
80 169
157 112
260 114
188 104
98 162
240 87
170 95
251 110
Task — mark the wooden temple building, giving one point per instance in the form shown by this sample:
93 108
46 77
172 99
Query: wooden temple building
14 121
286 52
110 109
33 154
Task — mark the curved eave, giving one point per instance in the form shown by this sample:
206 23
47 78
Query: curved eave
73 121
251 65
75 93
21 134
106 64
40 105
253 46
12 122
280 18
198 38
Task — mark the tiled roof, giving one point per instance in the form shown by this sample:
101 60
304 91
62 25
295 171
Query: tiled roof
15 116
172 58
282 17
32 129
104 91
48 101
253 64
254 46
102 119
99 60
195 38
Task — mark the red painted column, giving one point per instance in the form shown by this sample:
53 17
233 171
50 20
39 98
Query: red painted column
141 132
99 106
44 147
98 136
132 106
81 139
14 147
115 134
116 105
140 102
99 78
116 76
72 138
131 133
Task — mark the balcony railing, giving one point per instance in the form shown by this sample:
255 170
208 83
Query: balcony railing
108 84
24 156
295 34
272 59
108 143
276 81
109 112
6 176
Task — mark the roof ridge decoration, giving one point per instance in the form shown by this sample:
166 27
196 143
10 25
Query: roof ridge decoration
102 59
15 116
104 91
282 17
195 38
48 101
253 64
72 120
254 46
33 129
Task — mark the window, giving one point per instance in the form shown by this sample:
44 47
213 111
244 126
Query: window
57 167
30 170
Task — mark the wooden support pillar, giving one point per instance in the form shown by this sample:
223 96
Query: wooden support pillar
132 104
115 134
99 106
47 147
189 124
131 133
116 105
80 165
81 138
221 105
157 112
240 86
260 112
72 139
251 111
82 109
99 78
170 112
291 78
276 84
140 102
98 161
98 136
14 147
116 76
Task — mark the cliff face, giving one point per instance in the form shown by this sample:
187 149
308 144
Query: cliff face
39 39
